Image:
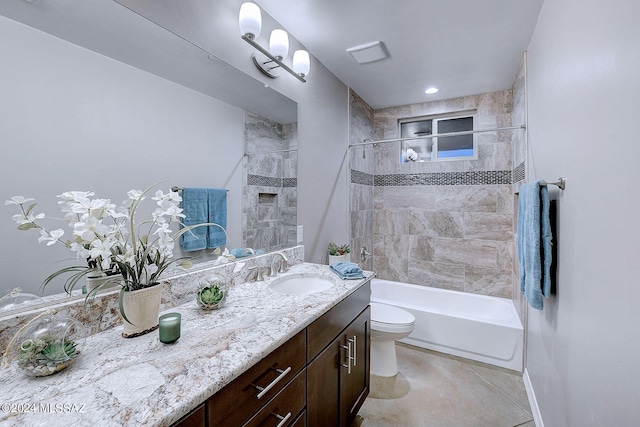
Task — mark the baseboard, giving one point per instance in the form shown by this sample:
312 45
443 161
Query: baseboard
535 411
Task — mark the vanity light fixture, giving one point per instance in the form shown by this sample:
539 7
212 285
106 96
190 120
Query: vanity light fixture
270 61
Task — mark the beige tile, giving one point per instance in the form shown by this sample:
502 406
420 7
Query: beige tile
435 224
489 226
478 253
437 275
466 198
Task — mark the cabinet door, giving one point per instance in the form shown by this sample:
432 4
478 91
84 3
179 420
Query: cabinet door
323 387
338 379
354 382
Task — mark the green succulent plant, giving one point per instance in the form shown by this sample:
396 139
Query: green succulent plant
210 295
335 250
47 351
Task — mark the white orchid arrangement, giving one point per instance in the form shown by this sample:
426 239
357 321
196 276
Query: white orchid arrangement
107 238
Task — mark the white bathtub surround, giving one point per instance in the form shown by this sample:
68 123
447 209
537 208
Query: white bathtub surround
213 349
477 327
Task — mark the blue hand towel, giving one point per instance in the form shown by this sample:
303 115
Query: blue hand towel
217 215
195 209
347 270
241 252
534 243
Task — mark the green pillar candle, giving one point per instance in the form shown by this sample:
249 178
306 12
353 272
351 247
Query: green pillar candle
169 327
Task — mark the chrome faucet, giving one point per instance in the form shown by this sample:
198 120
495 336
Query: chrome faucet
284 263
257 276
364 254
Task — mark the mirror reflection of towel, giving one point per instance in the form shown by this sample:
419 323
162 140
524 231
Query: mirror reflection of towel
196 211
218 215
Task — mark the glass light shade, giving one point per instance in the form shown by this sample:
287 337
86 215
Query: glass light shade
250 19
301 63
279 44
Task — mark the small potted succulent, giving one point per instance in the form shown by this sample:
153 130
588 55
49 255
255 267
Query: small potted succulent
46 355
339 253
211 293
48 344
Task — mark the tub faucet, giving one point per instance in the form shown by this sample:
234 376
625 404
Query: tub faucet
364 254
284 263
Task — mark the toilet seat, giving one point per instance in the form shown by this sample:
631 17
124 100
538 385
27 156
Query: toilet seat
387 318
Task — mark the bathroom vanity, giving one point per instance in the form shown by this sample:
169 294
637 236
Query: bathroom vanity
265 358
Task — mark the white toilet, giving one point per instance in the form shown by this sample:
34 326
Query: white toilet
388 324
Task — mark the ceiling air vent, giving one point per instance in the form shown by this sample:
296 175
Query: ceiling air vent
370 52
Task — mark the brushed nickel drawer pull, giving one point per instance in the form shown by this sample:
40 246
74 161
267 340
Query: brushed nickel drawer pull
354 340
265 390
284 419
349 358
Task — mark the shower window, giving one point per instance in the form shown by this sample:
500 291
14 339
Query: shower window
457 147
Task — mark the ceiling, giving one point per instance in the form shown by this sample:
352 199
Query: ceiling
462 47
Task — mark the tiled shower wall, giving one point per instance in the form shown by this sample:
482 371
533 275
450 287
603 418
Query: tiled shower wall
270 189
362 163
442 224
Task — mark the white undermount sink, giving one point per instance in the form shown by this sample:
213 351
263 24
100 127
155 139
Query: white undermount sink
299 285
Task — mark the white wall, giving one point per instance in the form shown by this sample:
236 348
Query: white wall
584 109
323 208
71 119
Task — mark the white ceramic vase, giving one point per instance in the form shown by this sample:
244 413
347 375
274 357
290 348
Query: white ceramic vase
92 282
141 308
339 258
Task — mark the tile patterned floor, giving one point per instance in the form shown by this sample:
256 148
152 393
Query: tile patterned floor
437 390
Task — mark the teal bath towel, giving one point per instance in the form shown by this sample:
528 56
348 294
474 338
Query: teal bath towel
534 243
217 215
196 210
347 270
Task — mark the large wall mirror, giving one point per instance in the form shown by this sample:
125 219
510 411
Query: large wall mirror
99 97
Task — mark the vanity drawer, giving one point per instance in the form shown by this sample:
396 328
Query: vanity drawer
283 409
323 331
245 395
194 419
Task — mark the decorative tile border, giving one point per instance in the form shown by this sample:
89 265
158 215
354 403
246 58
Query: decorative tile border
364 178
518 173
441 178
268 181
289 182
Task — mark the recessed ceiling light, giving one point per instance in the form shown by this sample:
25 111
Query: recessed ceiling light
431 90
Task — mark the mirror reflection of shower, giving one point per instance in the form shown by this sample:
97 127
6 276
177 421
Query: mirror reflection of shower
269 209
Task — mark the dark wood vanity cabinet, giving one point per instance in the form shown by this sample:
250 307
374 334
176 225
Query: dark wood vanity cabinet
338 378
338 349
319 378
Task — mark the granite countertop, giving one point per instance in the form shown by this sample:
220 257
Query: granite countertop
142 382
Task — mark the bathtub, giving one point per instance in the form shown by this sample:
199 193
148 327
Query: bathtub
477 327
